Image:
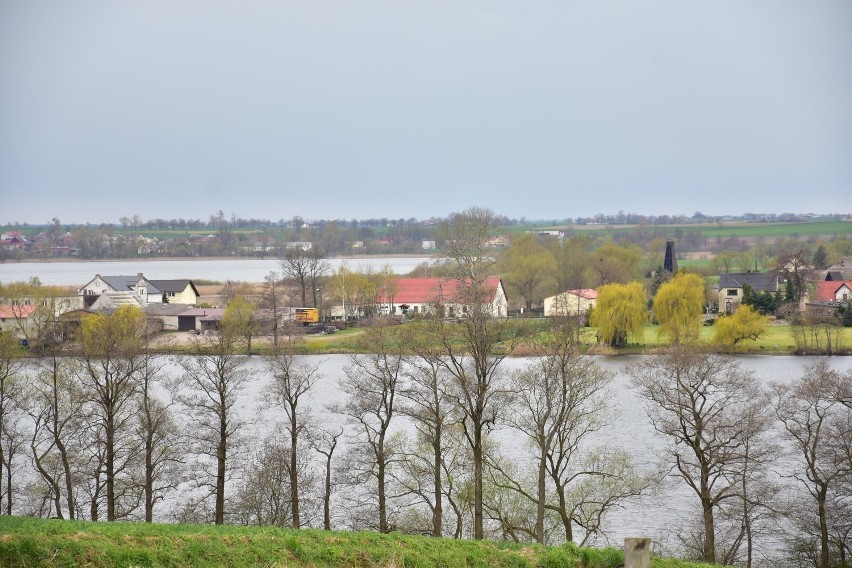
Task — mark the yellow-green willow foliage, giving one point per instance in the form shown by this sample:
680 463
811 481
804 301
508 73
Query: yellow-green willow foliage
745 323
112 335
620 312
678 306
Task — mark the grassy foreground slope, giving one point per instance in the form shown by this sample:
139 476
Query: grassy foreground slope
26 542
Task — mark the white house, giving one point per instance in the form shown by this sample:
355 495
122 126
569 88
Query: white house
571 302
138 290
428 295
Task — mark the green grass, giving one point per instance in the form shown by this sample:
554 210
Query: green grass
26 542
724 230
777 340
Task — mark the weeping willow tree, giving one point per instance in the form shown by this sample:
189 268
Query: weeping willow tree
620 312
678 306
745 323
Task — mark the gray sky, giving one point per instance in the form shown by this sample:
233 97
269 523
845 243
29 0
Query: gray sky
355 109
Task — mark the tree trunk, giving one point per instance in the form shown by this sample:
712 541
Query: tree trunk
110 467
220 468
383 511
478 523
149 478
539 514
823 528
709 555
294 474
326 505
438 512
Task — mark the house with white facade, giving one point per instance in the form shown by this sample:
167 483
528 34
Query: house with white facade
834 292
570 303
440 296
114 291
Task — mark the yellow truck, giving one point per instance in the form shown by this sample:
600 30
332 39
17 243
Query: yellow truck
307 316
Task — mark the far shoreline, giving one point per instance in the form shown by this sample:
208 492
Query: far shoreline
62 260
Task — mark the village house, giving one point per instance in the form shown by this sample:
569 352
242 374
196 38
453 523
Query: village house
833 292
108 292
14 240
440 296
731 287
18 320
570 303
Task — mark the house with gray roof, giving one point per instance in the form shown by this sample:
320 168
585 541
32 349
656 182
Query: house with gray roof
114 291
732 285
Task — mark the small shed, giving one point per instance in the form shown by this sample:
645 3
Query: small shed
200 319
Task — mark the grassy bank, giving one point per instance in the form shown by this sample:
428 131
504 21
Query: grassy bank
777 340
28 543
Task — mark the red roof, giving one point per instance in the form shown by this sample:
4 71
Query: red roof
17 312
826 291
587 293
429 290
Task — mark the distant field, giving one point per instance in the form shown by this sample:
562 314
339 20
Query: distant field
742 230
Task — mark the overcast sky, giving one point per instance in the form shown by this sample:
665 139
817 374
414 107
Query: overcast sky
356 109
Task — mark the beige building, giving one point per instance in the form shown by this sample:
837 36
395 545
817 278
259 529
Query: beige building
570 303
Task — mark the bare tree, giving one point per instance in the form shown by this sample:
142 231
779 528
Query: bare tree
464 239
264 496
54 403
11 391
306 268
292 379
471 353
272 300
431 407
156 427
111 345
325 443
817 425
560 399
472 350
371 382
215 377
754 502
697 400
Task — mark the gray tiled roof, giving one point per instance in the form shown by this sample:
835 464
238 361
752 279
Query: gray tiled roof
759 281
165 309
121 283
172 285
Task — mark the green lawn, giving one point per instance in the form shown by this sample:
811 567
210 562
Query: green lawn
724 230
26 542
778 339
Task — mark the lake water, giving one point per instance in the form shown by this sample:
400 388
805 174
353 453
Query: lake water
78 273
659 516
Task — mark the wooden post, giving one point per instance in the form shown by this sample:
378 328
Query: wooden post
637 552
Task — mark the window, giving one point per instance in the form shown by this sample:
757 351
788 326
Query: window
733 292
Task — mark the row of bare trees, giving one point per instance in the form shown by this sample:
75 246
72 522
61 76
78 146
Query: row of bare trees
730 436
102 434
